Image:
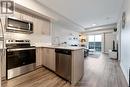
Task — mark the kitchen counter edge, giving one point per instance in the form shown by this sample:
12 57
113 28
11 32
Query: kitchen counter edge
67 48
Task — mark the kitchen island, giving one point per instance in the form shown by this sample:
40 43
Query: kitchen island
47 55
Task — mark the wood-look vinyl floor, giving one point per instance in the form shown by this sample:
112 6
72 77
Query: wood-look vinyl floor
99 72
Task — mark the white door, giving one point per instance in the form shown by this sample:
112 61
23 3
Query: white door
108 42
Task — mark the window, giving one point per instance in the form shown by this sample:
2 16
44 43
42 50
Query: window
95 42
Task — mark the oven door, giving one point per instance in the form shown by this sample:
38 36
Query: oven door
20 57
20 61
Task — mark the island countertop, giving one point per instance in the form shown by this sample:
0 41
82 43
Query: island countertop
62 47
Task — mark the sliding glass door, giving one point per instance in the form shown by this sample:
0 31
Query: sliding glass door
95 42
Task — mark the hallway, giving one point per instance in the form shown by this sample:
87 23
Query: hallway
102 71
99 72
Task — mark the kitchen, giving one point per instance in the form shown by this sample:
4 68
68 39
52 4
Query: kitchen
42 47
28 46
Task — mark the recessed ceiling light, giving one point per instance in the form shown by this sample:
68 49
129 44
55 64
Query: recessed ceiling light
93 24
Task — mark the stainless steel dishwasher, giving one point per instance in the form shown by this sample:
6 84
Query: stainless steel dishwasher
63 63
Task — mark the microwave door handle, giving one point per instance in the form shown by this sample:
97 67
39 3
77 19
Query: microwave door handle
20 49
29 26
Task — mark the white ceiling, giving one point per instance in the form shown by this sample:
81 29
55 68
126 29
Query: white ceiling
86 13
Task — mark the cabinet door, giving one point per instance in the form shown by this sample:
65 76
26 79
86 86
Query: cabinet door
36 25
46 27
46 57
43 27
17 15
38 57
40 26
25 17
52 59
49 58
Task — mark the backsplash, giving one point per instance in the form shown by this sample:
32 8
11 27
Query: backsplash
34 38
62 34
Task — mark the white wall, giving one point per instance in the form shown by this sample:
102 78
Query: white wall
64 34
125 41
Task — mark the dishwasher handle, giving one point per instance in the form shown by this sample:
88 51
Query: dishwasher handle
63 51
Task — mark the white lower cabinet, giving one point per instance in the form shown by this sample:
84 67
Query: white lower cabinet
49 58
45 57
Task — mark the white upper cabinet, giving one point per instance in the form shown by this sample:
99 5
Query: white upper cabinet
26 17
36 25
42 26
17 15
46 27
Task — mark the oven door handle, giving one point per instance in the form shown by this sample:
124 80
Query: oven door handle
20 49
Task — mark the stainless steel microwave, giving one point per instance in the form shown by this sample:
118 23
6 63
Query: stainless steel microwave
17 25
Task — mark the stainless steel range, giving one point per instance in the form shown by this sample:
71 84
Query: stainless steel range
20 57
